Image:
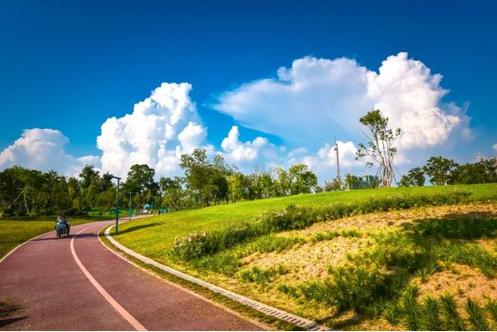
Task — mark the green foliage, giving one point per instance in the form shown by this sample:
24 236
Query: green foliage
451 317
326 236
476 315
440 169
206 178
140 182
270 243
379 149
410 308
262 276
415 177
483 171
430 315
492 309
224 262
293 217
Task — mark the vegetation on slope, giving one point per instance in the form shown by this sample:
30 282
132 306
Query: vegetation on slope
343 272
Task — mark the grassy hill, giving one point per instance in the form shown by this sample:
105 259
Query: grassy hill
419 262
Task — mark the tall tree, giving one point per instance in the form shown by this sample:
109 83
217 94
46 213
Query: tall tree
140 181
380 149
302 179
440 170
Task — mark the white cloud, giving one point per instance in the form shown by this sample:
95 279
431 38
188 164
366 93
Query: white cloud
317 98
192 136
157 132
43 149
258 153
261 154
494 147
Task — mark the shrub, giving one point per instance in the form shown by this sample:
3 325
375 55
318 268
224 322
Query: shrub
262 276
353 288
192 246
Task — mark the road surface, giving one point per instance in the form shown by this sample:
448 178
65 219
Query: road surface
76 283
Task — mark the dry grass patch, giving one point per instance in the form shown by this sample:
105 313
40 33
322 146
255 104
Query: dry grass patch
460 281
310 260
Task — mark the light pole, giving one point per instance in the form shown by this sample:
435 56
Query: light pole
117 202
129 205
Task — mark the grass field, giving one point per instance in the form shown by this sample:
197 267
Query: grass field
372 271
15 232
157 234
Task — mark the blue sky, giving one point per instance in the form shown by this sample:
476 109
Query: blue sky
70 65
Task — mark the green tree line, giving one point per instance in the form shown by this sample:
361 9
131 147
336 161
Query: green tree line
443 171
206 181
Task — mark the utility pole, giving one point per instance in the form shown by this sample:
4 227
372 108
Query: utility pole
117 202
338 165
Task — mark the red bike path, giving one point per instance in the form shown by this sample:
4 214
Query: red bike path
87 287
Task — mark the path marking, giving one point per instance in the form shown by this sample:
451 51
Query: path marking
264 308
123 312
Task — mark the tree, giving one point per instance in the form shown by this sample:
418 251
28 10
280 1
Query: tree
440 170
483 171
302 179
174 196
206 179
351 181
333 185
140 181
238 186
379 149
283 182
415 177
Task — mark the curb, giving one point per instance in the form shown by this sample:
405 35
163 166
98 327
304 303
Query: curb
266 309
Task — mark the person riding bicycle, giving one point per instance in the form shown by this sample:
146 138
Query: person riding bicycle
61 219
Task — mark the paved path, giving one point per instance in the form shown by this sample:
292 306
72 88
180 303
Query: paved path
77 284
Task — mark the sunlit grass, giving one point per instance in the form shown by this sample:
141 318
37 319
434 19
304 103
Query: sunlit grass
15 232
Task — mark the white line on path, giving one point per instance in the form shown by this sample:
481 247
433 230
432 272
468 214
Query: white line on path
123 312
264 308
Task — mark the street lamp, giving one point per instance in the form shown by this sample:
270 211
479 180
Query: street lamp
117 202
129 205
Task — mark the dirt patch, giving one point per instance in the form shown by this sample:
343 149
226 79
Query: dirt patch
309 260
460 281
372 222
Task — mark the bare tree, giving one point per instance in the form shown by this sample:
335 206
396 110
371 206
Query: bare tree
380 149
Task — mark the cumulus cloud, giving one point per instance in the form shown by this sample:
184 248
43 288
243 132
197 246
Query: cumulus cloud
494 147
317 98
157 132
261 154
258 153
43 149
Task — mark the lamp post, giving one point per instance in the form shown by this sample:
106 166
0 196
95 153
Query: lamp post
117 202
129 205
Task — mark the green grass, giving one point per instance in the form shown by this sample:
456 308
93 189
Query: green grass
374 282
15 232
155 236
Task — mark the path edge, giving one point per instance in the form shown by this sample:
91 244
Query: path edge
20 245
263 308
